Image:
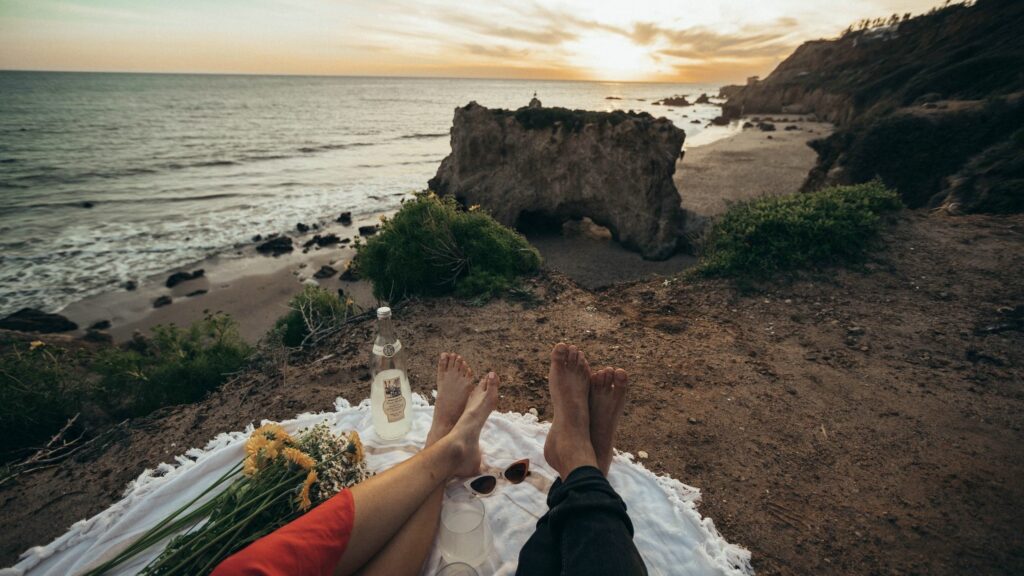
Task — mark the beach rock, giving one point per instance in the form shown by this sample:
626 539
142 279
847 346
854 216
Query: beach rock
349 275
257 238
195 293
87 204
346 240
673 101
275 246
612 98
322 240
720 121
162 301
179 277
766 127
748 125
345 218
792 127
550 165
32 320
130 285
324 272
368 230
100 325
302 228
702 99
694 121
97 336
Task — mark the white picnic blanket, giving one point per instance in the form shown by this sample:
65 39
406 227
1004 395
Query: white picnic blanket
670 534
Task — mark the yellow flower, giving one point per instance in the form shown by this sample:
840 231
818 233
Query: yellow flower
299 457
357 445
304 501
273 431
36 344
249 467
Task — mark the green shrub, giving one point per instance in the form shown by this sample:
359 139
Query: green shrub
757 238
312 312
572 120
38 394
178 365
433 247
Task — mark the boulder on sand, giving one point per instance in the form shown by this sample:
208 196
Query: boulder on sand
345 218
32 320
276 246
325 271
179 277
368 230
552 165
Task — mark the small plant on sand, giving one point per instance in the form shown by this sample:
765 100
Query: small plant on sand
312 313
178 365
758 238
433 247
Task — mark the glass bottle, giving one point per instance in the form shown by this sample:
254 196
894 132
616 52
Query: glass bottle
390 395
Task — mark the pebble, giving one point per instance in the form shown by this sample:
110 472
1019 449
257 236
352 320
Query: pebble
642 455
534 412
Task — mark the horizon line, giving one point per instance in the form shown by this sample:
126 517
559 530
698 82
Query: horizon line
403 77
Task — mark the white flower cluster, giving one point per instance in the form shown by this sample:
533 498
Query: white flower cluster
339 457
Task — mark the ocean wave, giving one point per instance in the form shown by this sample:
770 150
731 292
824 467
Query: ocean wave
326 147
147 200
423 135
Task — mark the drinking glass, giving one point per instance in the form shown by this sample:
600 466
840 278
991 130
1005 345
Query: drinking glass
465 535
457 569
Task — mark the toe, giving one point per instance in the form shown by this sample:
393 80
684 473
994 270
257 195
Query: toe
560 352
573 356
606 376
582 364
442 362
621 378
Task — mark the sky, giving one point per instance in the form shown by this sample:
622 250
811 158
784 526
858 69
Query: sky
710 41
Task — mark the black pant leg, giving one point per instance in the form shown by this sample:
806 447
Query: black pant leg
539 556
587 531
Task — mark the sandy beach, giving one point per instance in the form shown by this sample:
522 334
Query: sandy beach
255 289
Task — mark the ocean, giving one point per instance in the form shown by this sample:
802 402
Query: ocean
112 177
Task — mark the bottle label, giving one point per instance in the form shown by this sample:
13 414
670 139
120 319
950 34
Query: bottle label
387 350
394 402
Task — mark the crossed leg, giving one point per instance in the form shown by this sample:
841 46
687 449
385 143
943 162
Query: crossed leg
396 513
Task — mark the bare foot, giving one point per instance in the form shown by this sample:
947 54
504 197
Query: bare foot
454 383
568 445
608 388
481 402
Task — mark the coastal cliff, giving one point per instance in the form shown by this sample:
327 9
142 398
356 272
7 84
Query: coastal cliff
552 164
931 105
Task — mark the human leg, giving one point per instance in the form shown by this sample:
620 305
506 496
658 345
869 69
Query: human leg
408 549
384 503
587 529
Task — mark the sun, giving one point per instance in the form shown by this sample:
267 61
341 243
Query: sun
612 57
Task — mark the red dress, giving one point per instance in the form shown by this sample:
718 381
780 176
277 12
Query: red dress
312 544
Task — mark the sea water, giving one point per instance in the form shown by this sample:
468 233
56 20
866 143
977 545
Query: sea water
112 177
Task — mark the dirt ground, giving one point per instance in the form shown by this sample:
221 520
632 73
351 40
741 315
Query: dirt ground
854 421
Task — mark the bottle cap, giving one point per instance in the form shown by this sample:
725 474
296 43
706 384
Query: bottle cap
383 312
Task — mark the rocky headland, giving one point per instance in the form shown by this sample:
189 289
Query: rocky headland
932 105
548 165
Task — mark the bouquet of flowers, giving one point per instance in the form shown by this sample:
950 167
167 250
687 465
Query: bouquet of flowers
282 478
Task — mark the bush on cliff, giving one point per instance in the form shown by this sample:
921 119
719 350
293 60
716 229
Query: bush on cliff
432 247
176 366
758 238
313 312
44 385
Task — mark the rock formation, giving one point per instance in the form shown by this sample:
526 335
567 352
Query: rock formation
32 320
553 165
931 105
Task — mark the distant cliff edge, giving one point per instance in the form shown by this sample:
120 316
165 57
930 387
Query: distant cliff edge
932 105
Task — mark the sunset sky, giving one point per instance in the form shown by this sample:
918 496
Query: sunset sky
636 40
